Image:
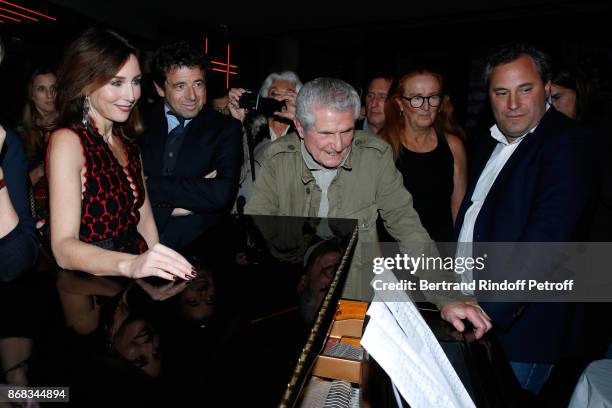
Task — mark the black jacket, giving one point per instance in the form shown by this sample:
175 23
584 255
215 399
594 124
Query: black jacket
542 194
212 142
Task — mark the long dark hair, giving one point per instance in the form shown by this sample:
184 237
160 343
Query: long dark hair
89 63
32 128
590 108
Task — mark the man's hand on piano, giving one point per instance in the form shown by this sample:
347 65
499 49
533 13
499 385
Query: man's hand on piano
454 313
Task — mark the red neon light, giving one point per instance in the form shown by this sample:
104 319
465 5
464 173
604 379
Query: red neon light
223 64
10 18
224 71
18 14
27 9
227 75
224 67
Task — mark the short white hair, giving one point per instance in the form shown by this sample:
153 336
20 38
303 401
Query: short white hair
280 76
331 93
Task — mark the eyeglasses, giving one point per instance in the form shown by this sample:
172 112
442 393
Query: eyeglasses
418 100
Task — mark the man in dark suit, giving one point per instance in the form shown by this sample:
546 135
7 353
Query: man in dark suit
530 183
191 154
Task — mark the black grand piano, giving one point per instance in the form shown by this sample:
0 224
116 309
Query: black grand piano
246 332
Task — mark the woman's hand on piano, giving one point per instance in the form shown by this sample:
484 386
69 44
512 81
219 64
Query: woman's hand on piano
160 261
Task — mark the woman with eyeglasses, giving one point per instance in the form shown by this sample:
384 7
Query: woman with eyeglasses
428 149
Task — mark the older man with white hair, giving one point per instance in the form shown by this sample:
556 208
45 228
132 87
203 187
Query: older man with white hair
264 129
328 169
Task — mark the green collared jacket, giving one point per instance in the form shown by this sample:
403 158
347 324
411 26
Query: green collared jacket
366 184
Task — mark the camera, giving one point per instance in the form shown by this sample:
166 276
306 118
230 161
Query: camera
253 102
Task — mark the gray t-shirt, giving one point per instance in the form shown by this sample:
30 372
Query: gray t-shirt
323 176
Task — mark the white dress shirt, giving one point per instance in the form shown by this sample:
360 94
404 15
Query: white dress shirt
172 120
501 154
274 136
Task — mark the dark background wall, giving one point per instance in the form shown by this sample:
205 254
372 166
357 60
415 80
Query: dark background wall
451 37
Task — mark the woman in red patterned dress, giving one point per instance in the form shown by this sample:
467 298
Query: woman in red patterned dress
101 218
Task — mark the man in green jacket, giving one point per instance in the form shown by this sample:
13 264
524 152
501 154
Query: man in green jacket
331 170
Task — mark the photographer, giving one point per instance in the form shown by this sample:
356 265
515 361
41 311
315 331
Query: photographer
263 125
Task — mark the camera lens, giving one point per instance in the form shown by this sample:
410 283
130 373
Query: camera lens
248 100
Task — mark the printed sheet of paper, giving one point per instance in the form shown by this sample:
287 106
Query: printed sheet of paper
400 341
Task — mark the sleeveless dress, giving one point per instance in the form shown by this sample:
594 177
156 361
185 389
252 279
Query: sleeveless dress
112 195
429 179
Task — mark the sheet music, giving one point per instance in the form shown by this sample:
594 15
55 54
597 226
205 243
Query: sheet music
401 342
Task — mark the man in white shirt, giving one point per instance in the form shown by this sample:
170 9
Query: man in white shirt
530 184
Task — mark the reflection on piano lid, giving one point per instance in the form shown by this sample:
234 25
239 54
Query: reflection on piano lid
258 315
319 330
253 307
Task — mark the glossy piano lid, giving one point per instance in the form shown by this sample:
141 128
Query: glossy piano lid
230 337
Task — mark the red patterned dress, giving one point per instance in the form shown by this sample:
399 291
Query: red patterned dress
112 195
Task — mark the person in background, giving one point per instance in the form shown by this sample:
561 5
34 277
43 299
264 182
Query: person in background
572 94
428 149
38 118
221 104
375 98
282 86
576 96
101 218
218 96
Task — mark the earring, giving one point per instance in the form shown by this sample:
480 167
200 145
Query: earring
85 120
402 112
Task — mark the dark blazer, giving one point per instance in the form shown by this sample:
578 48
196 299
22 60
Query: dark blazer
19 248
541 195
212 142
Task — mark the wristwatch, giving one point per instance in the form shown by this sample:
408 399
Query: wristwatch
2 183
